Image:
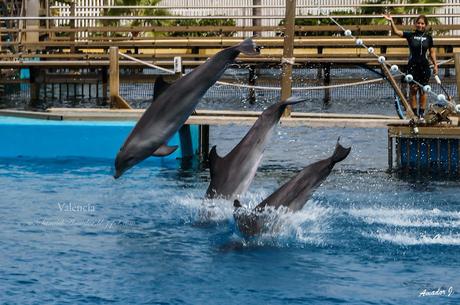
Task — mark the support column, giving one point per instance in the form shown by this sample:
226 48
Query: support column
288 52
116 101
256 11
32 9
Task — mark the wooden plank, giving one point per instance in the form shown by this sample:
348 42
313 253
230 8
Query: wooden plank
223 113
133 115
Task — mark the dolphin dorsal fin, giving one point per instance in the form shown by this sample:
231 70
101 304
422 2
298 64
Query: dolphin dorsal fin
213 160
160 86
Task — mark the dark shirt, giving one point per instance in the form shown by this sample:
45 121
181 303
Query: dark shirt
419 44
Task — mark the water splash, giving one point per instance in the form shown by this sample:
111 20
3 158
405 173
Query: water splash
434 218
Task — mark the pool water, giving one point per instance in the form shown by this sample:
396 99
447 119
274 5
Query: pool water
71 234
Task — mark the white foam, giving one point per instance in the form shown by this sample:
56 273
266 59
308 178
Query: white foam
411 239
408 217
307 226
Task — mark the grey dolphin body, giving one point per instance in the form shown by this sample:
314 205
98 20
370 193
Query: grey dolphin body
232 174
293 194
174 105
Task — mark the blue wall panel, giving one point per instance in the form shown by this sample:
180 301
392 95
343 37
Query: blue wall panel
51 139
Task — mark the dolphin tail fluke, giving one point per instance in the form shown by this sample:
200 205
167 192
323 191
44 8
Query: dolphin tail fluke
164 150
292 100
248 47
340 152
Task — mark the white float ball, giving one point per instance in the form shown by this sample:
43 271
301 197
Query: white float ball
370 50
427 88
394 68
347 33
442 98
409 78
457 108
359 42
381 59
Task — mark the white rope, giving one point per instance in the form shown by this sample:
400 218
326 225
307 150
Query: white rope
286 60
260 87
146 63
359 42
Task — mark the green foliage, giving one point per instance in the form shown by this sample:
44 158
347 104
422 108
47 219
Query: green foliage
203 22
378 20
319 21
163 22
138 12
400 11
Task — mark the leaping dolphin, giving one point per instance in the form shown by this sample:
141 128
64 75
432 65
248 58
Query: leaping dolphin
293 194
169 111
232 174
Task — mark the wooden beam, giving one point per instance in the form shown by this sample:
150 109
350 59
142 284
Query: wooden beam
116 101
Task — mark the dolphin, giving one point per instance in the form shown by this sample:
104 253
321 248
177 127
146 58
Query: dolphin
293 194
231 175
169 111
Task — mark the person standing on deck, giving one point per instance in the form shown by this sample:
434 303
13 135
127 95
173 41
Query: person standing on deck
419 42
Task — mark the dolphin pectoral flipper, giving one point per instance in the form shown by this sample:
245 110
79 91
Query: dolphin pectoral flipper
340 152
160 86
164 150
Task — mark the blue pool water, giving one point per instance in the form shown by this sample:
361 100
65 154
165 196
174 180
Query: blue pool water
71 234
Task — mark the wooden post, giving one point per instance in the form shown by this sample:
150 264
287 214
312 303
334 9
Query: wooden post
252 82
257 12
34 86
32 9
72 26
104 83
116 101
204 143
457 72
327 82
288 52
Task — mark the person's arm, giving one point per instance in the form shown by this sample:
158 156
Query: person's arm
393 25
433 60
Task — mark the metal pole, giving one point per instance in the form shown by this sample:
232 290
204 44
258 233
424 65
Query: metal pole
288 60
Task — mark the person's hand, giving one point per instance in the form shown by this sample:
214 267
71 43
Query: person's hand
388 17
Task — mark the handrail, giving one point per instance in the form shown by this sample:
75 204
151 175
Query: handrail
133 7
172 17
309 28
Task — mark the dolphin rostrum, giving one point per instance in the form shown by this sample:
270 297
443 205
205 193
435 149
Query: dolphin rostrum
169 111
293 194
231 175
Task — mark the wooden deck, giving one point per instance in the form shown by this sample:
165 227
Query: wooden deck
216 117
